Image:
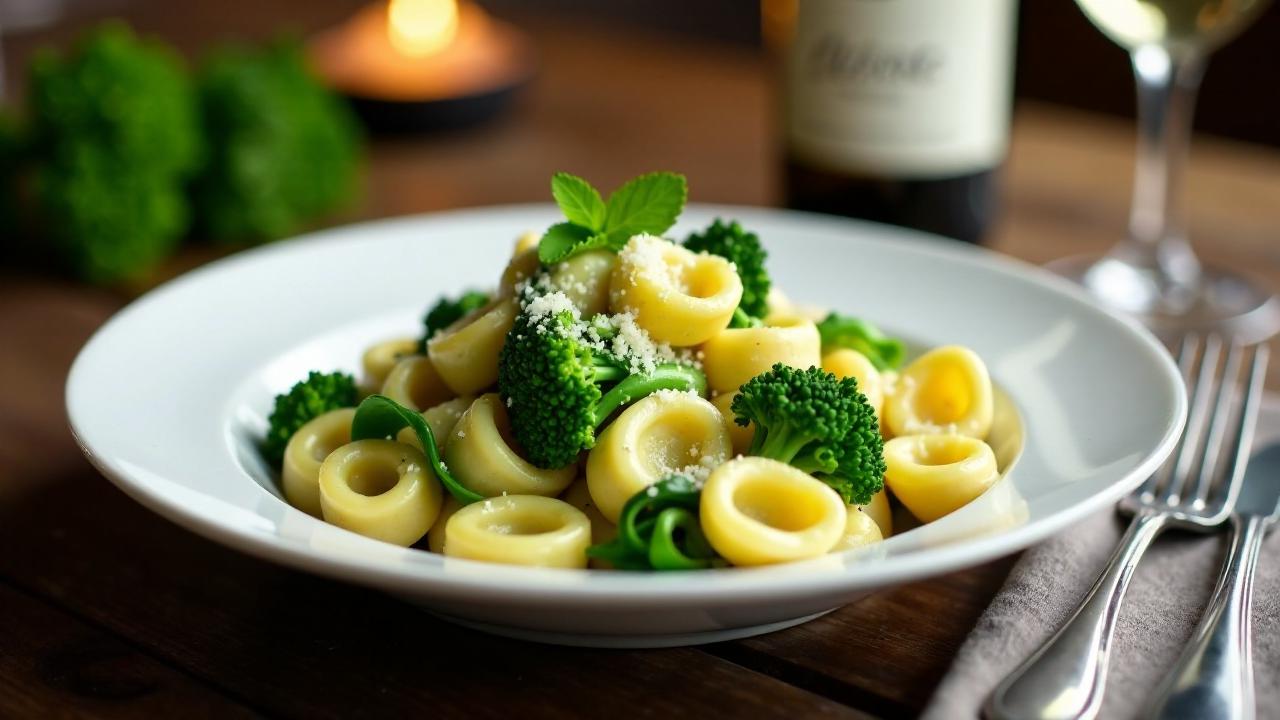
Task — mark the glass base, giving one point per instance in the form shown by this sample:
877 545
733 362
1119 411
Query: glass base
1220 302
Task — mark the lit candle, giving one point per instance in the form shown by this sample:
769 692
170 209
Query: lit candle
420 63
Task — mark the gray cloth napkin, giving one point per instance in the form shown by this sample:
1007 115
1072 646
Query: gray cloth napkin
1164 603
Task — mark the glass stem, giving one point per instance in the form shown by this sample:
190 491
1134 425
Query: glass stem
1167 86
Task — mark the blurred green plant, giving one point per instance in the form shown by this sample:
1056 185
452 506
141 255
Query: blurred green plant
285 149
10 153
114 137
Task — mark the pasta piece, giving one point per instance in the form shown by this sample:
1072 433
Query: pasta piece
415 384
679 297
467 356
527 241
579 496
933 475
523 265
380 358
585 280
306 450
441 419
879 511
946 390
757 511
480 456
736 355
860 530
845 363
739 436
436 535
520 530
664 433
381 489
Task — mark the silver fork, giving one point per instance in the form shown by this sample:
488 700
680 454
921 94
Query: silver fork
1195 489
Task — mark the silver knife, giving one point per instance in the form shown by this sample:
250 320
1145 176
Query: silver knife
1214 676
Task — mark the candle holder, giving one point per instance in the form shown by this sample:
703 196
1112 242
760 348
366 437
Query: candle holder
420 65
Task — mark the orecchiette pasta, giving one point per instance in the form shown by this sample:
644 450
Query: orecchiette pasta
379 359
946 390
523 265
414 383
851 363
739 436
859 530
933 475
585 280
436 535
659 435
579 496
520 530
306 450
757 511
467 356
679 297
380 488
480 456
878 509
441 419
734 356
527 241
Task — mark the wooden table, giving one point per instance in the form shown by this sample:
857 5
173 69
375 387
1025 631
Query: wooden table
108 610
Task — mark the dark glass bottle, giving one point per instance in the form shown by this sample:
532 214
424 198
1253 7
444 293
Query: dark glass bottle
895 111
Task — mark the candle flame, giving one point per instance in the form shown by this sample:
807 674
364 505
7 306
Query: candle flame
421 27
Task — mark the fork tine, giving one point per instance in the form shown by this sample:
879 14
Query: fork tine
1197 420
1247 422
1188 354
1219 420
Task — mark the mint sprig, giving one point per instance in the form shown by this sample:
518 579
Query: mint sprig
646 204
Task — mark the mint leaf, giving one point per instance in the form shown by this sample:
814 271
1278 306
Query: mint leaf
561 241
647 204
579 202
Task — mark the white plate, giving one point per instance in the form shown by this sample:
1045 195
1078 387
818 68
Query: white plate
169 397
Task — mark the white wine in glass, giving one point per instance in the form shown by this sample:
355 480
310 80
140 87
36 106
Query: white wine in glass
1153 272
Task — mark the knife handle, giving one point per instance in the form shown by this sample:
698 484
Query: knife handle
1214 676
1065 678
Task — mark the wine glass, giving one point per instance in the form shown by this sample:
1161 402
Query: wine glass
1152 273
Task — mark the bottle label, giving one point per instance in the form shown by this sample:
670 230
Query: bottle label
907 88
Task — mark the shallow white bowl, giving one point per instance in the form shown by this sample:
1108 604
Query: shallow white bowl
169 398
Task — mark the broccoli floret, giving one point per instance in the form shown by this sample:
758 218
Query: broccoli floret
743 249
844 331
448 311
288 150
114 139
818 423
554 384
308 399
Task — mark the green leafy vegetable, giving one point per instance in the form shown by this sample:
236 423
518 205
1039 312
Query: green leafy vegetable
658 529
114 140
287 150
552 380
306 400
731 242
448 311
379 416
843 331
818 423
646 204
580 202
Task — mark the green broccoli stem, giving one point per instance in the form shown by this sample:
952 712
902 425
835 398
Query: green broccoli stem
670 376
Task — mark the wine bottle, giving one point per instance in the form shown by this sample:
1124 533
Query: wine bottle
895 110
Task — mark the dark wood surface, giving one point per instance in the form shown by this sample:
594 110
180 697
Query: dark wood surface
108 610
